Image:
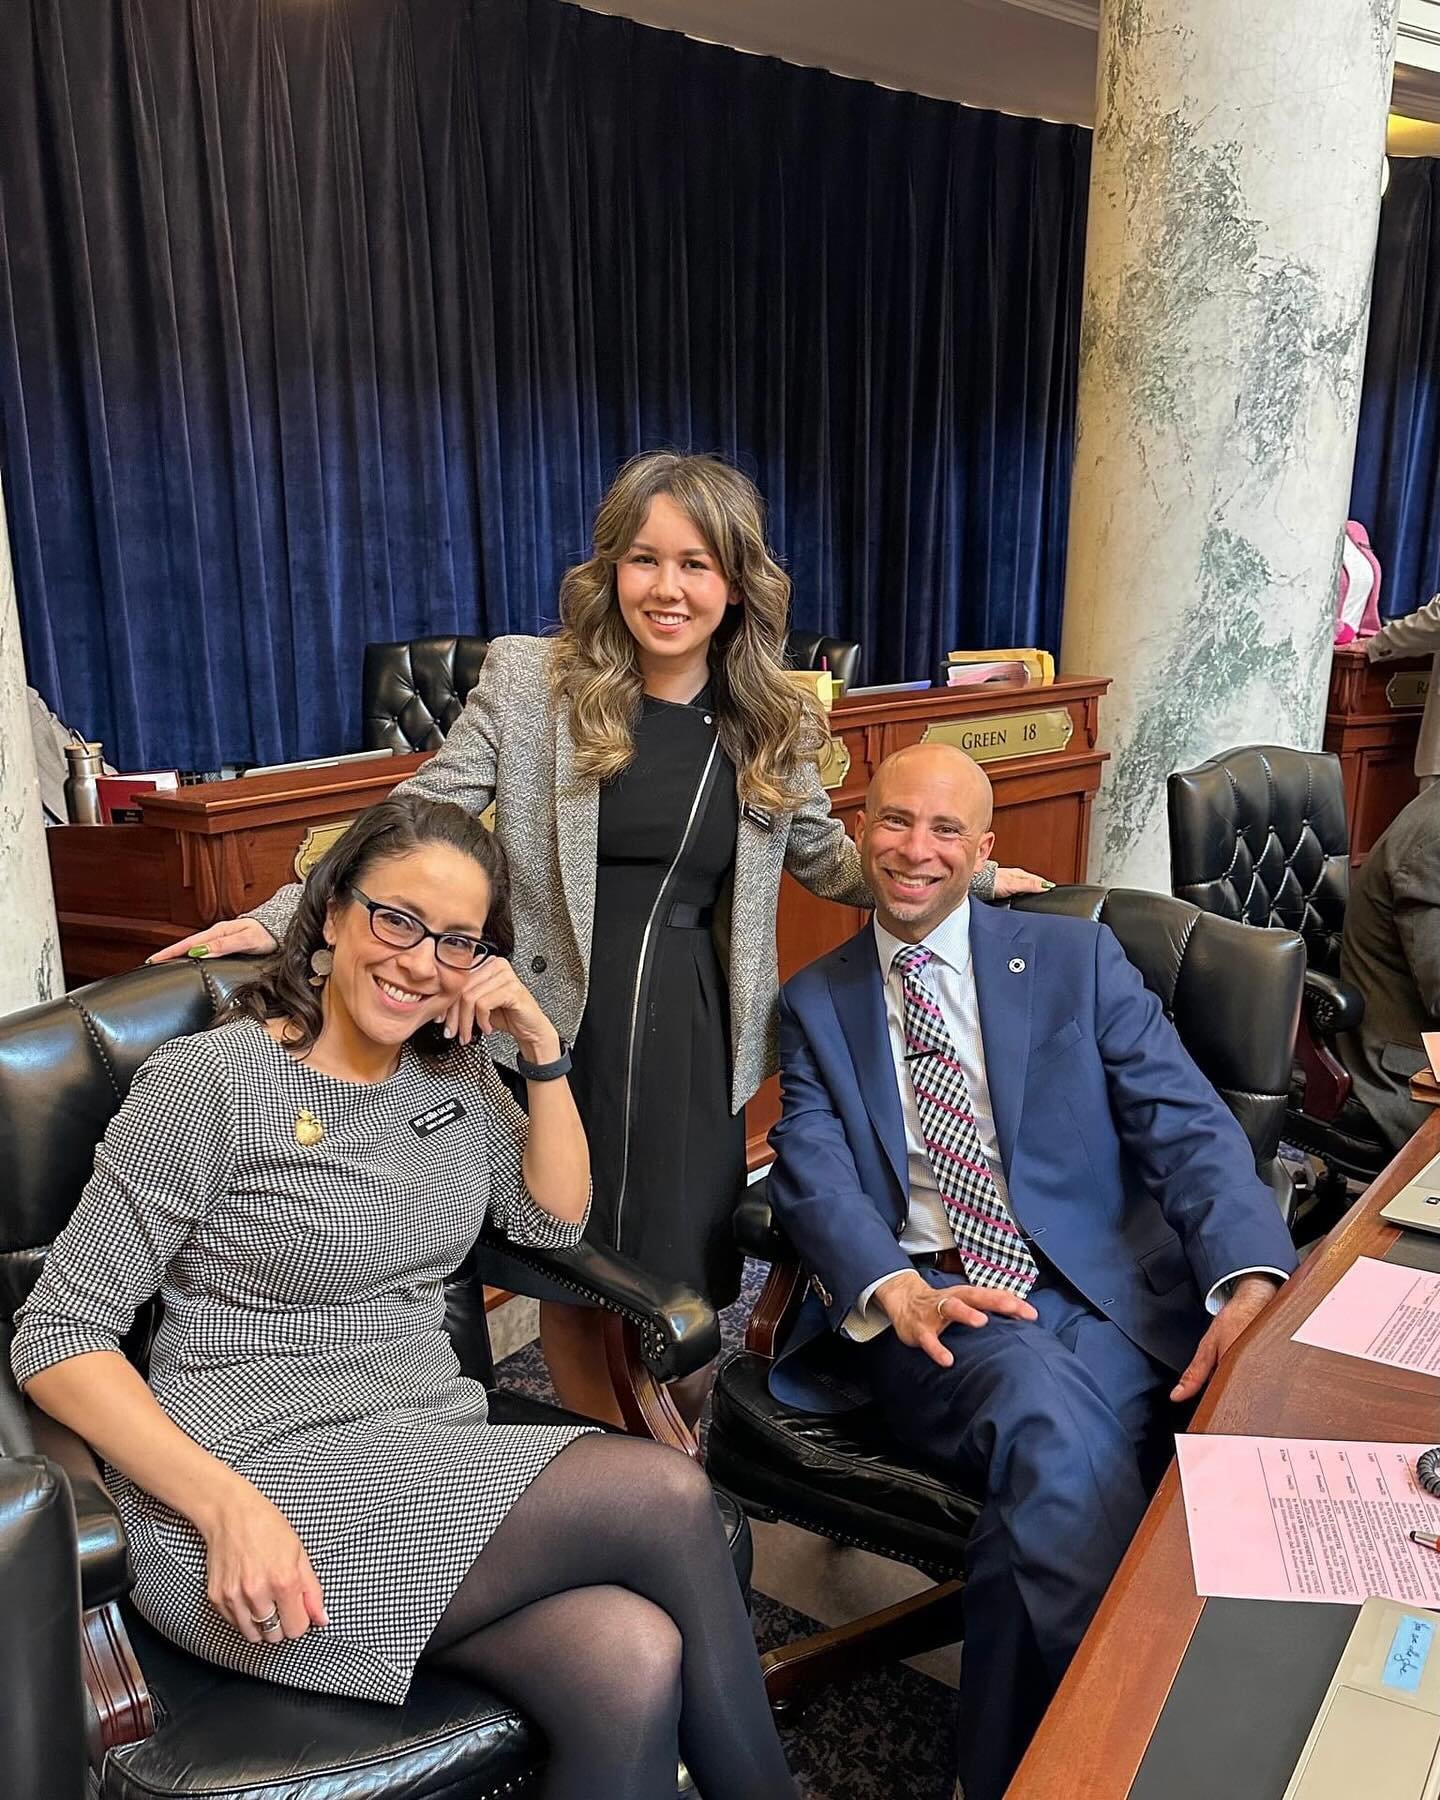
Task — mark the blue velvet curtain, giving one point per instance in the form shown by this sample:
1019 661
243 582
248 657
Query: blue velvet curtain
1396 491
328 320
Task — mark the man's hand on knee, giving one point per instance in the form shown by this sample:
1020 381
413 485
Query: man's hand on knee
919 1312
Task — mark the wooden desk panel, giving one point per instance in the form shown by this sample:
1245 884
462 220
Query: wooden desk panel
1095 1734
204 853
1374 740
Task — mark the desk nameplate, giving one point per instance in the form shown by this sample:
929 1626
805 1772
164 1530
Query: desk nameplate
1411 687
1002 735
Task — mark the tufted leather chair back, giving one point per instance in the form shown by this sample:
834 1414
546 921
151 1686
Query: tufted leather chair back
66 1066
412 692
1259 834
805 649
1233 995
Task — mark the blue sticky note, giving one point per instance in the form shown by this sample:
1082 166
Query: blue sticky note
1409 1649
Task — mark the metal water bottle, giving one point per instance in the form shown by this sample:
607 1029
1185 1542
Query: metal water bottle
82 797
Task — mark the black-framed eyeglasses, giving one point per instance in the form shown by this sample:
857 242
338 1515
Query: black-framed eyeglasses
403 931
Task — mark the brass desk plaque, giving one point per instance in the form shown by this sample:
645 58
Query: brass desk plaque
1411 687
1002 735
834 764
316 841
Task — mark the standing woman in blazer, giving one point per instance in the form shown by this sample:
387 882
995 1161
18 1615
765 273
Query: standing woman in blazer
653 770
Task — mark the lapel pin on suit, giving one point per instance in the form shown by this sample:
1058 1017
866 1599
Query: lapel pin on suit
1017 965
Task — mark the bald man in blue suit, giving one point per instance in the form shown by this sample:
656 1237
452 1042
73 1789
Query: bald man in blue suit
1032 1226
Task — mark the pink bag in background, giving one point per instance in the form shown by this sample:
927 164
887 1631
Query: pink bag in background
1357 609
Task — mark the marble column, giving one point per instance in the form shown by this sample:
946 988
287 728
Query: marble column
1234 201
29 940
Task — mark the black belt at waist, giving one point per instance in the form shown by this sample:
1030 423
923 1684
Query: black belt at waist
682 916
950 1262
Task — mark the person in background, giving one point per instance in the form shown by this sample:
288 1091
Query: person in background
653 770
1417 634
1390 951
1029 1219
312 1490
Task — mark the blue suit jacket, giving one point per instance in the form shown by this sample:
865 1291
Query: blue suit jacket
1123 1164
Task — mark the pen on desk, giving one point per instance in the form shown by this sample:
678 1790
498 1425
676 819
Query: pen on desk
1427 1540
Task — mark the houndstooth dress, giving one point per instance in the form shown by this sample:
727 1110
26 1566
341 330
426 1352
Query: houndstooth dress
302 1339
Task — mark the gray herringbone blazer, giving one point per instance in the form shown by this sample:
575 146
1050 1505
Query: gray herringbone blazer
512 745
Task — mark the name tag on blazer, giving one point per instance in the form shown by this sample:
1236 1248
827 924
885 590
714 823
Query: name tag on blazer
758 817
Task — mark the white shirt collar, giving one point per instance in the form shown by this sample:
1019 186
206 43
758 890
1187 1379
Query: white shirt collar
949 942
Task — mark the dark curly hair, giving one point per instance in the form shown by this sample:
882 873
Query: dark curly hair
281 988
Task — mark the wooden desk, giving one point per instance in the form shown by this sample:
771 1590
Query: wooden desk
203 853
1091 1742
1372 723
210 852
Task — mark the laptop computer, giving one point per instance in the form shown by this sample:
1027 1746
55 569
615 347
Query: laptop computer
1377 1733
1417 1205
320 762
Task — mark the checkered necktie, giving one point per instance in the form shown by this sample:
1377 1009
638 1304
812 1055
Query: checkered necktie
991 1247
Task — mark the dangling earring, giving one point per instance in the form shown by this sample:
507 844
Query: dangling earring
322 962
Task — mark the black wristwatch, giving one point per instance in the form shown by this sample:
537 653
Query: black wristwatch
551 1071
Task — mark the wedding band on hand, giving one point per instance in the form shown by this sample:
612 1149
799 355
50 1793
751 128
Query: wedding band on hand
271 1621
940 1300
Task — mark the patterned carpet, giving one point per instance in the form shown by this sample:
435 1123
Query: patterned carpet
883 1736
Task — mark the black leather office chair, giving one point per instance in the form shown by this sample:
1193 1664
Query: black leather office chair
1259 834
812 649
40 1640
412 692
1234 996
165 1726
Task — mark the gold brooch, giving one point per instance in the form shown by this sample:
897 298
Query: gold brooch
308 1129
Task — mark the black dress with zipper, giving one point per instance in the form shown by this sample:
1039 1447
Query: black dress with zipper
652 1061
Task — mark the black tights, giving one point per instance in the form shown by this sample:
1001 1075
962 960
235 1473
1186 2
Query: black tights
605 1606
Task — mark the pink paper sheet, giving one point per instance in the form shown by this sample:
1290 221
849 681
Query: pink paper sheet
1383 1312
1307 1519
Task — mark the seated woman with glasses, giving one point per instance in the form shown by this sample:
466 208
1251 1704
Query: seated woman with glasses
312 1490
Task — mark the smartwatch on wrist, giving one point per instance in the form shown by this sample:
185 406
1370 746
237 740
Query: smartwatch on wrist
551 1071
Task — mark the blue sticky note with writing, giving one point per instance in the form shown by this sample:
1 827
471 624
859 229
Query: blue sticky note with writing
1409 1649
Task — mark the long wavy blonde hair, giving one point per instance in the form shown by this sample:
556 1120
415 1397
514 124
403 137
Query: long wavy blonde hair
769 726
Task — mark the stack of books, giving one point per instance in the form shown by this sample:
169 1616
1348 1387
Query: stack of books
999 668
121 795
820 682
